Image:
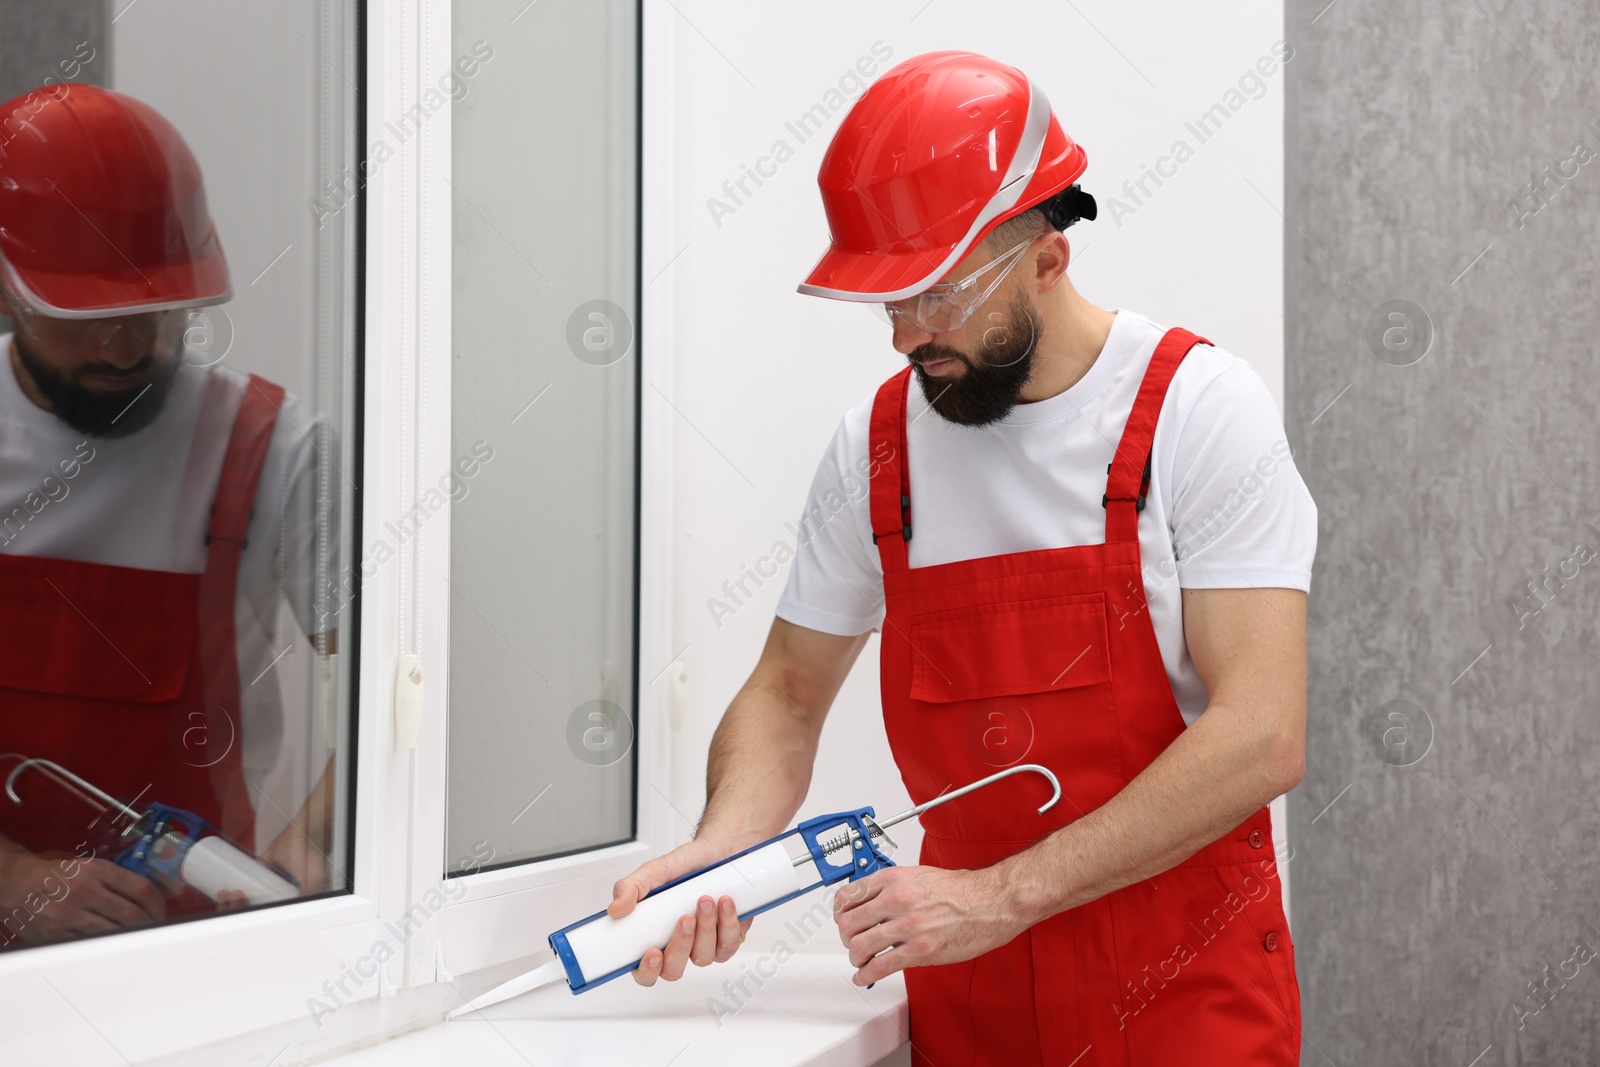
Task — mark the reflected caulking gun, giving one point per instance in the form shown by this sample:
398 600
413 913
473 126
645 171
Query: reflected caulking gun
817 852
166 844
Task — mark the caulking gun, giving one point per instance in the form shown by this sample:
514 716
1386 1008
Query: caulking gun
168 844
818 852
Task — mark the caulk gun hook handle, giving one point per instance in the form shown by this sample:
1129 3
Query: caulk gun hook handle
11 778
1055 785
72 780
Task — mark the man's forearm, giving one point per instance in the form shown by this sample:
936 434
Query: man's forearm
760 765
1218 771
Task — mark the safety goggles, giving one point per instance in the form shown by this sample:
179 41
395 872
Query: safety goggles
947 306
93 334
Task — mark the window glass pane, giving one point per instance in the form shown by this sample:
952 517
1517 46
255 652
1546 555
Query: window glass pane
544 403
178 461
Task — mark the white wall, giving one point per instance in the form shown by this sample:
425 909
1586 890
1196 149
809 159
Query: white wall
762 374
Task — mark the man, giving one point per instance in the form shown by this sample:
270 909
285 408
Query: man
153 515
1085 544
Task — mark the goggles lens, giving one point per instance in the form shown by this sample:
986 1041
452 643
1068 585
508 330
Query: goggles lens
947 306
166 326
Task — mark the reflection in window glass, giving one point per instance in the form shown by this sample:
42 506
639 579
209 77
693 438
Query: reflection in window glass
178 471
544 394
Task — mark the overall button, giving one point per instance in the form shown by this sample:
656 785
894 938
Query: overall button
1270 942
1256 838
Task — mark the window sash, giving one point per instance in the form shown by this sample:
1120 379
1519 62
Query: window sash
262 977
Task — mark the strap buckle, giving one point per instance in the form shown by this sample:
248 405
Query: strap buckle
905 521
1144 486
242 542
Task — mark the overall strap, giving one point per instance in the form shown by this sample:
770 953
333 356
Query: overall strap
889 473
226 537
1128 478
241 469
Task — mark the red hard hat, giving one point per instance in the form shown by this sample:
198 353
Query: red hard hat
102 208
937 152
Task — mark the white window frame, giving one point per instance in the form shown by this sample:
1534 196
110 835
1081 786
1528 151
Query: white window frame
239 988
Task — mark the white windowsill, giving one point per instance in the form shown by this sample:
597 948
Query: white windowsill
807 1014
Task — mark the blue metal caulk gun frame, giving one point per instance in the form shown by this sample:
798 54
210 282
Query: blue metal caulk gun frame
854 833
158 842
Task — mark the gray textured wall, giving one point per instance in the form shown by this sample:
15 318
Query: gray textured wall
1446 884
38 36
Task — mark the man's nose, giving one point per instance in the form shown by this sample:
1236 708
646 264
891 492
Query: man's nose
907 337
124 342
119 347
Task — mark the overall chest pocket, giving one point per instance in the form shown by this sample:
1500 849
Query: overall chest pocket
1009 648
95 632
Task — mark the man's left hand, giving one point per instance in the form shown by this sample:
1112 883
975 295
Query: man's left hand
926 915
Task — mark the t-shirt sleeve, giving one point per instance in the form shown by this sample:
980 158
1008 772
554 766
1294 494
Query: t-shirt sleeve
1241 514
835 582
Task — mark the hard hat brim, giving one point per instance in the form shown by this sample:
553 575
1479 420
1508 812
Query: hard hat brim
870 277
133 290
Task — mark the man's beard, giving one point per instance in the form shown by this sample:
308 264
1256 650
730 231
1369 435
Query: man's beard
988 390
114 413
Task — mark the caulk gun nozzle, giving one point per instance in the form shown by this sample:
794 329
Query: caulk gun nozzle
550 972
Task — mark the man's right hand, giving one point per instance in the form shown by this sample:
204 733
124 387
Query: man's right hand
98 896
712 934
757 773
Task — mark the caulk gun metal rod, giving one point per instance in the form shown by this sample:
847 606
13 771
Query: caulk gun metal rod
72 781
878 826
910 813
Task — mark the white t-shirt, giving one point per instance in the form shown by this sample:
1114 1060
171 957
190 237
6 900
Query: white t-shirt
1226 506
144 501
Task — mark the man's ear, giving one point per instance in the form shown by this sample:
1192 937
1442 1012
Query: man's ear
1050 263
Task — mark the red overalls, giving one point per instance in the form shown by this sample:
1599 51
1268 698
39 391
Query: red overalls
129 678
1050 656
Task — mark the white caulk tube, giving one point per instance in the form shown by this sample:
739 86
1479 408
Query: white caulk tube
599 948
755 881
214 866
817 852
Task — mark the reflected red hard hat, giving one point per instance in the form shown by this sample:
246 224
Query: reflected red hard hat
937 152
102 207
